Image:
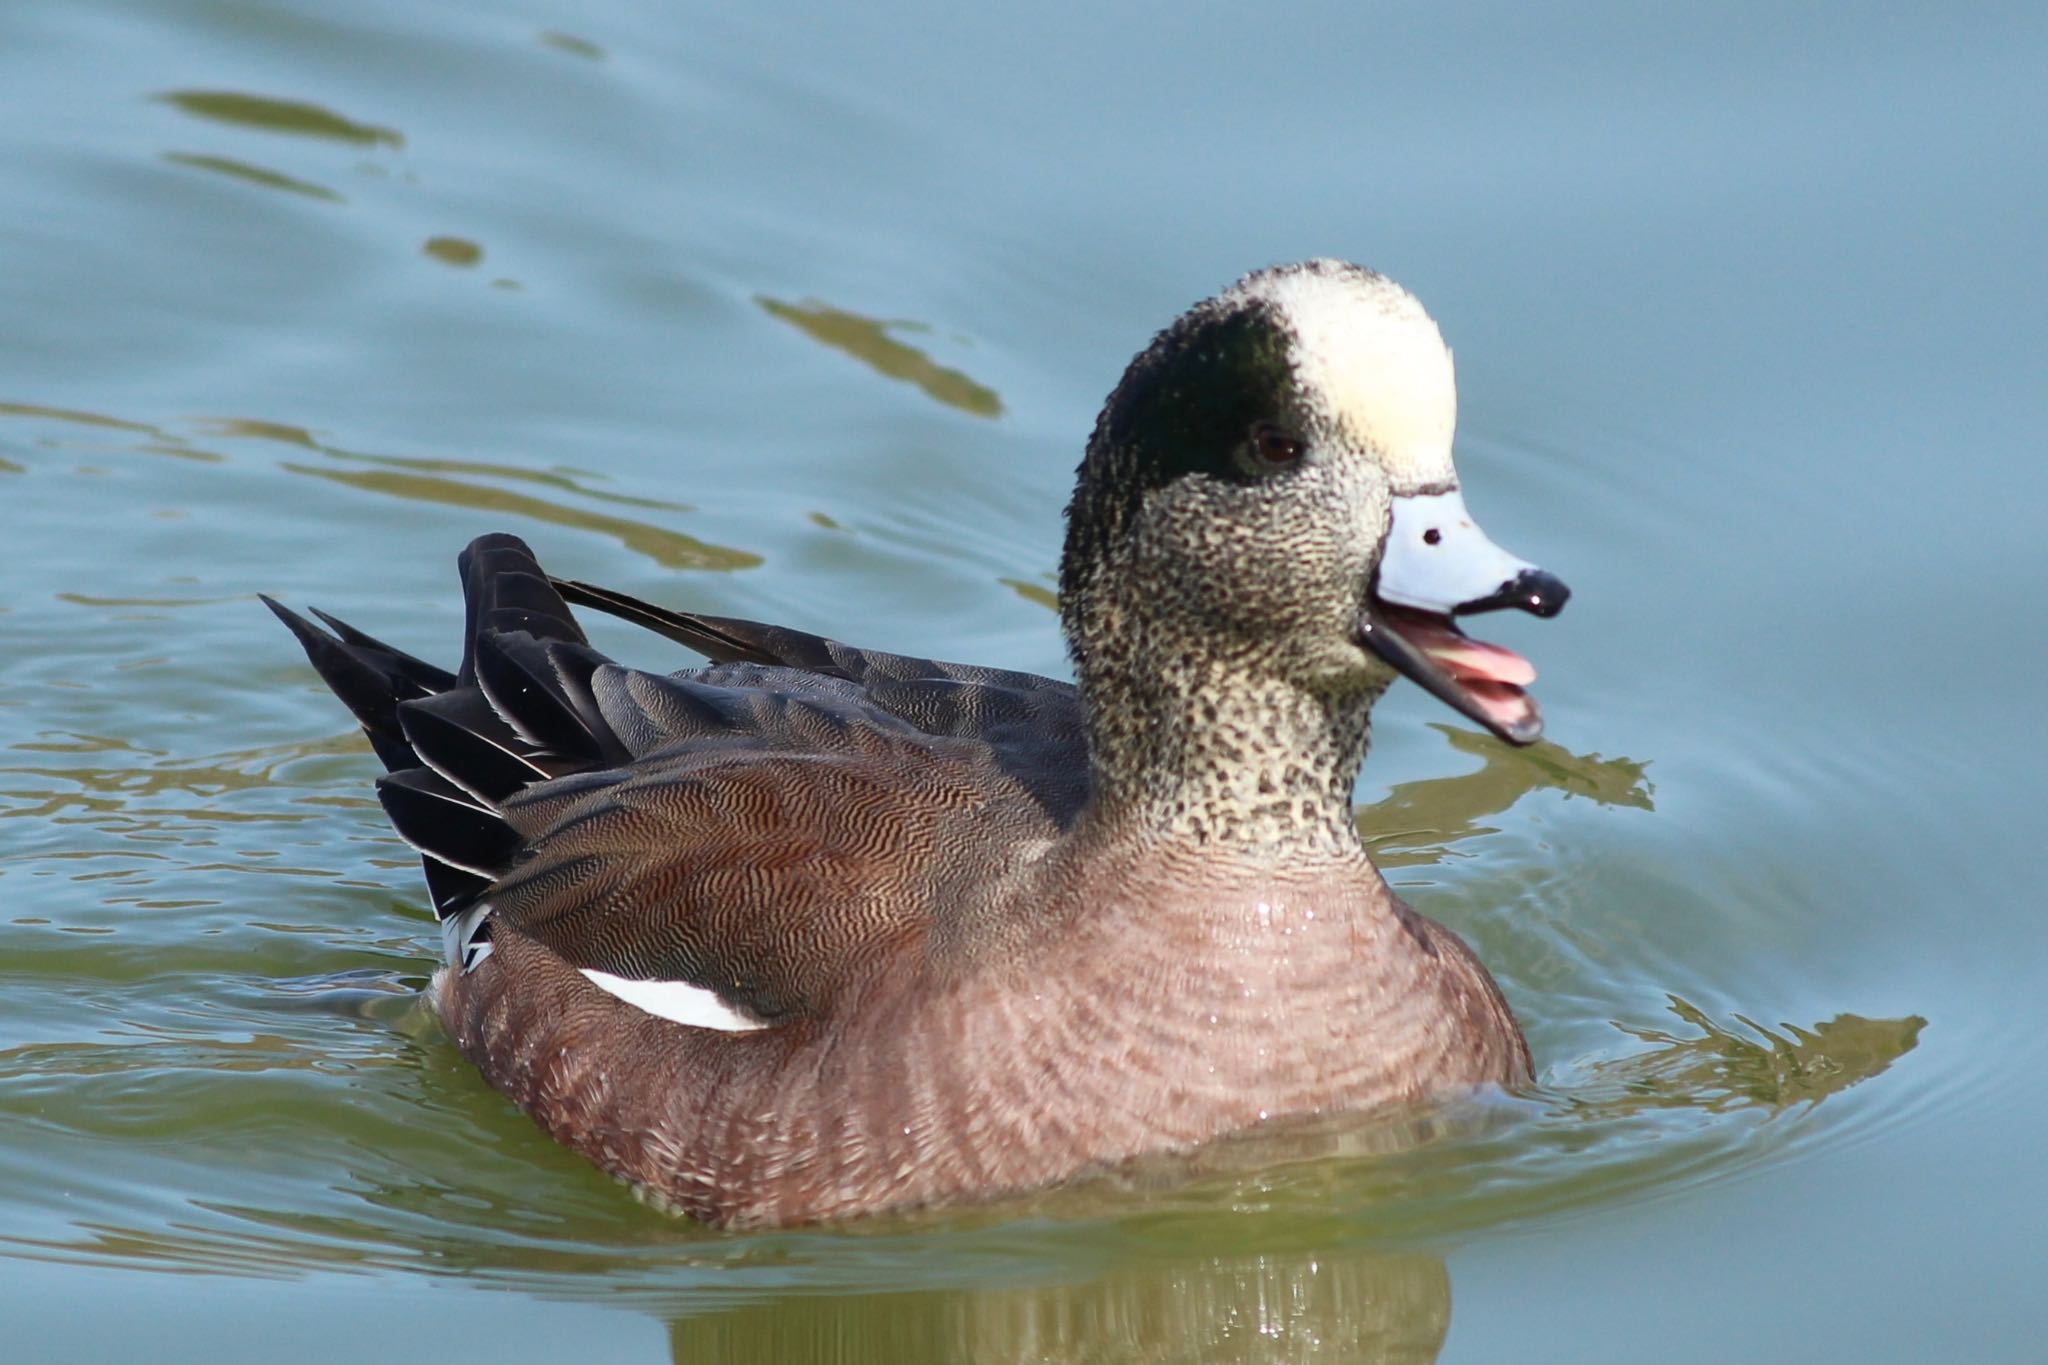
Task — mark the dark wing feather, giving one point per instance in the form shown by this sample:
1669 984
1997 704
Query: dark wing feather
787 882
1033 725
728 640
505 591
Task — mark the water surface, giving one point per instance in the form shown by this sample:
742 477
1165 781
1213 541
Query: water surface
803 316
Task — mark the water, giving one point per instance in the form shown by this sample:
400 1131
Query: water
802 316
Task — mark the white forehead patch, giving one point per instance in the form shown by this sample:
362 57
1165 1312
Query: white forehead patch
1367 352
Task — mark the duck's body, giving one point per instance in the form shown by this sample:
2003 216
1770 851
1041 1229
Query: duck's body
1150 1018
816 931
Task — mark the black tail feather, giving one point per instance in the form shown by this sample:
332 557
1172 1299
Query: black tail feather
424 676
458 735
457 745
369 679
446 823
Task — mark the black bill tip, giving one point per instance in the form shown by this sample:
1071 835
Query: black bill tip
1536 591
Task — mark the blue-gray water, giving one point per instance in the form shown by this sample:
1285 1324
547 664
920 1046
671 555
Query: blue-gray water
801 313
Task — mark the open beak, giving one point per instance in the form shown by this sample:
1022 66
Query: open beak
1437 564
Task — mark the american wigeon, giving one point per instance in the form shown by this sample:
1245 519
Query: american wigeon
814 930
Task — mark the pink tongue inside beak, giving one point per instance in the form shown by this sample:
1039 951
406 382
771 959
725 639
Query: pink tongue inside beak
1493 676
1466 659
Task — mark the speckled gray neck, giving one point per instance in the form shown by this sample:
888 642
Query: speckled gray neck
1197 752
1204 731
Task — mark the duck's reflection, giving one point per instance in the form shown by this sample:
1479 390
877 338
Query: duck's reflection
1418 822
1742 1064
1350 1306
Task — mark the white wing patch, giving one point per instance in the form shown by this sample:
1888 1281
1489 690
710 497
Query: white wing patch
696 1006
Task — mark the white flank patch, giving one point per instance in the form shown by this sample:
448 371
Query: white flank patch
675 1000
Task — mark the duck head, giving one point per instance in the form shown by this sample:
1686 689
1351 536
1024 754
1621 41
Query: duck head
1270 489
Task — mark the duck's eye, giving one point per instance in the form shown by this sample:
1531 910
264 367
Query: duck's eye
1276 447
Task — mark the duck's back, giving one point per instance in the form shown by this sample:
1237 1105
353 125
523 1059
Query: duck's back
768 828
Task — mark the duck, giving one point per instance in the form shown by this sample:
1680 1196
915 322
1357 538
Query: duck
810 931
